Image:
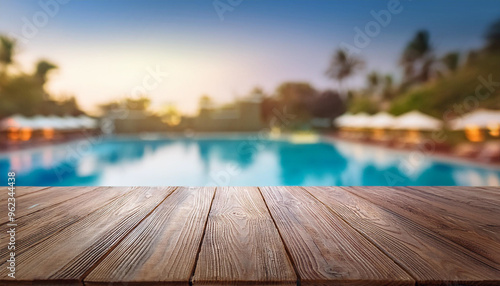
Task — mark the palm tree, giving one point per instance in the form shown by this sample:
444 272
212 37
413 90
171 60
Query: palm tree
343 66
417 56
43 67
7 50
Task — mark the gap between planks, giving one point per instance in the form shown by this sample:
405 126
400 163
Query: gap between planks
282 241
202 239
82 280
365 236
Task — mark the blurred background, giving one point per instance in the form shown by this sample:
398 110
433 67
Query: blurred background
250 92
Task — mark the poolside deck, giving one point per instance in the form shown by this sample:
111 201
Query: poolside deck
265 236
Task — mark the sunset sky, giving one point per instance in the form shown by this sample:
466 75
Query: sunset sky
104 48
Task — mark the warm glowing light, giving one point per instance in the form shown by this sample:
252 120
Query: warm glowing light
48 133
378 134
275 132
494 129
25 134
173 120
413 136
13 134
474 133
304 138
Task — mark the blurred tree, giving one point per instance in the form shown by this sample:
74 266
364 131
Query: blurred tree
451 60
69 106
328 104
170 115
138 104
110 106
7 52
493 36
458 93
363 104
417 58
268 107
24 94
205 102
388 92
21 95
43 67
373 80
472 58
342 66
296 98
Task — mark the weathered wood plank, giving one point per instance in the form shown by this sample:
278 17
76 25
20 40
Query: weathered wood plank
467 226
162 248
426 255
473 199
495 191
23 191
38 226
36 201
241 243
482 212
325 249
70 253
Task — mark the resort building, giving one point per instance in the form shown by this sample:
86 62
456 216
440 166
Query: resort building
244 115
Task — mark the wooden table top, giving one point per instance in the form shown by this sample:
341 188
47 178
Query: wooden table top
253 236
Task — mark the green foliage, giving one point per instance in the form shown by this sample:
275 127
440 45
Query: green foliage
363 104
417 59
297 98
343 65
451 60
458 90
25 94
493 36
43 67
21 94
7 50
373 80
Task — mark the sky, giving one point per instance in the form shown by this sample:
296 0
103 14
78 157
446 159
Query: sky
178 50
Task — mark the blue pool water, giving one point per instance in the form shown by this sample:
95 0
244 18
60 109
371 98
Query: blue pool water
236 161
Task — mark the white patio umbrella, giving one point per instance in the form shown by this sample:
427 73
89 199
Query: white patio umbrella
381 120
87 122
343 120
360 120
415 120
71 123
16 121
41 122
55 122
348 120
480 119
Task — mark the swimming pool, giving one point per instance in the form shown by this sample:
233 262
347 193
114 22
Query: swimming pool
243 160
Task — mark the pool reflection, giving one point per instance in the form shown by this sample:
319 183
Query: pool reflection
237 161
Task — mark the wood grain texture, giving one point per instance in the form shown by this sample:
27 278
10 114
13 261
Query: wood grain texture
241 243
473 199
495 191
426 255
69 254
163 248
23 191
468 226
325 249
40 225
35 201
334 236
